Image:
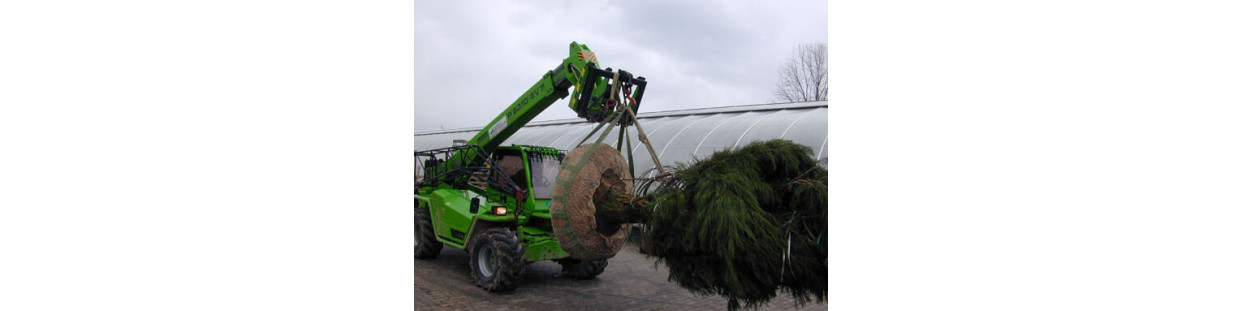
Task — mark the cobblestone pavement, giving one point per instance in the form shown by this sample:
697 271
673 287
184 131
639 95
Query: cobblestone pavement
630 282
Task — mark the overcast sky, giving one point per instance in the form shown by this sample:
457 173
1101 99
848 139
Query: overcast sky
474 58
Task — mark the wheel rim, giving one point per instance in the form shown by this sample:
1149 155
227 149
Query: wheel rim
487 261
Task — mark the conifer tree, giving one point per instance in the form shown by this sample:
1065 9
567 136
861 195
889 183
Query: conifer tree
744 224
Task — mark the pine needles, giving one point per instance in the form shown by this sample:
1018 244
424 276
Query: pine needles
744 224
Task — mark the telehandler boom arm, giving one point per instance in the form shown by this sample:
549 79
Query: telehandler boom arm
594 99
590 100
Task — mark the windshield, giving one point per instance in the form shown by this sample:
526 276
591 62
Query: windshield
543 172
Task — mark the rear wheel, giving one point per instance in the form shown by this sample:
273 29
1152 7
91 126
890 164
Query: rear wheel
582 269
497 260
425 243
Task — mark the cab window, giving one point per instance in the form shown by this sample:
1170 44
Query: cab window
543 172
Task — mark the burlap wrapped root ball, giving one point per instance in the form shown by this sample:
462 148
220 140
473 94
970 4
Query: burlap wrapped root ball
586 171
744 224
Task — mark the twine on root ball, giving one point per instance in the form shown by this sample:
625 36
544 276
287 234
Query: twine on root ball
589 176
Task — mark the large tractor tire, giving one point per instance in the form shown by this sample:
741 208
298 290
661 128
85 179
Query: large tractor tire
496 260
425 244
582 269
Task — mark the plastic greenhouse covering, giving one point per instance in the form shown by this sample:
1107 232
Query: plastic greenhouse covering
676 136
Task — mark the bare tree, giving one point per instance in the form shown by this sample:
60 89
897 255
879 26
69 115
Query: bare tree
804 77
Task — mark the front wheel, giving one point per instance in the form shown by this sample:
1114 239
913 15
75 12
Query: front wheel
497 260
425 243
582 269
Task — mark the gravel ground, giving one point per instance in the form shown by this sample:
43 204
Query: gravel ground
630 282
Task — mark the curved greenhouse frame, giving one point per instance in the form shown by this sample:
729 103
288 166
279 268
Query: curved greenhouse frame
676 136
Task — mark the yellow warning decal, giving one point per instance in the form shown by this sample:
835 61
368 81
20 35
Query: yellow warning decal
587 56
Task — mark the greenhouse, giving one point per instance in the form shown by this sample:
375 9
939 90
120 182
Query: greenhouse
678 135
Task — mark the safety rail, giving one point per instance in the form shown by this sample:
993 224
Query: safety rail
434 167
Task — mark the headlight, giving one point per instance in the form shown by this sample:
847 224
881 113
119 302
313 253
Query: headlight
499 210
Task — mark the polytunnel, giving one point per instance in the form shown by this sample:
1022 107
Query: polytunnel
677 135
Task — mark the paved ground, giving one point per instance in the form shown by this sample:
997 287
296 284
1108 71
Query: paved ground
629 283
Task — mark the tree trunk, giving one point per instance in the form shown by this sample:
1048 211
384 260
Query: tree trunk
613 206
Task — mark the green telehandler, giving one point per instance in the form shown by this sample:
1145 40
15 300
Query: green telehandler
494 201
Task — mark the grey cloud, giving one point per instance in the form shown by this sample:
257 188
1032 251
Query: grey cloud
472 59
